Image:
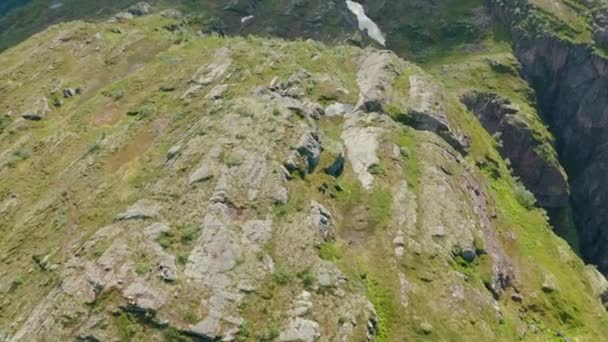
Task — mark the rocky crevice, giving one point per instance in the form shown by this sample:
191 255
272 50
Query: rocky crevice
531 158
571 82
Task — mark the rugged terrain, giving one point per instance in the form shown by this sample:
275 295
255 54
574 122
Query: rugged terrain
251 170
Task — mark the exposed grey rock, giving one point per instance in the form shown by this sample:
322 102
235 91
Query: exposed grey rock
38 111
281 196
301 306
140 8
502 268
293 87
217 92
204 173
171 13
307 153
399 243
141 296
122 16
328 276
406 288
173 152
165 267
550 283
372 322
338 109
376 75
154 231
141 210
258 231
69 92
208 328
216 251
361 146
305 109
599 285
322 220
426 111
216 70
300 330
426 328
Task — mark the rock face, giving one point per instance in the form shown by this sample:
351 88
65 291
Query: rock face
542 174
301 330
571 81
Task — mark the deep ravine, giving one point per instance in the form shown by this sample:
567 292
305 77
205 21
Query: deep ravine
571 83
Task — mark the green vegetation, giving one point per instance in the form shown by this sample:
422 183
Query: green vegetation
281 277
306 276
380 208
332 251
63 199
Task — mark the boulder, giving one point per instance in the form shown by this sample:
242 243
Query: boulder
38 110
203 173
550 283
338 109
69 92
140 8
142 210
172 13
426 328
141 297
123 16
301 330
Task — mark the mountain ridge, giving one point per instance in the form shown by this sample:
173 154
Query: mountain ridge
255 188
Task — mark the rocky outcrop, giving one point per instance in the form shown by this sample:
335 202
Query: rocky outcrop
361 141
305 156
38 111
427 112
530 158
424 108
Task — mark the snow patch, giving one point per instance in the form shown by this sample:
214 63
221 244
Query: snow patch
365 23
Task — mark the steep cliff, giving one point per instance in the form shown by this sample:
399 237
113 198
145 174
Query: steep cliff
568 71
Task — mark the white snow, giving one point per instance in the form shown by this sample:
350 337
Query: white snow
246 20
365 23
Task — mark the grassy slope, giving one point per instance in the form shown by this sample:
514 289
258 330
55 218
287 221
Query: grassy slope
61 192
